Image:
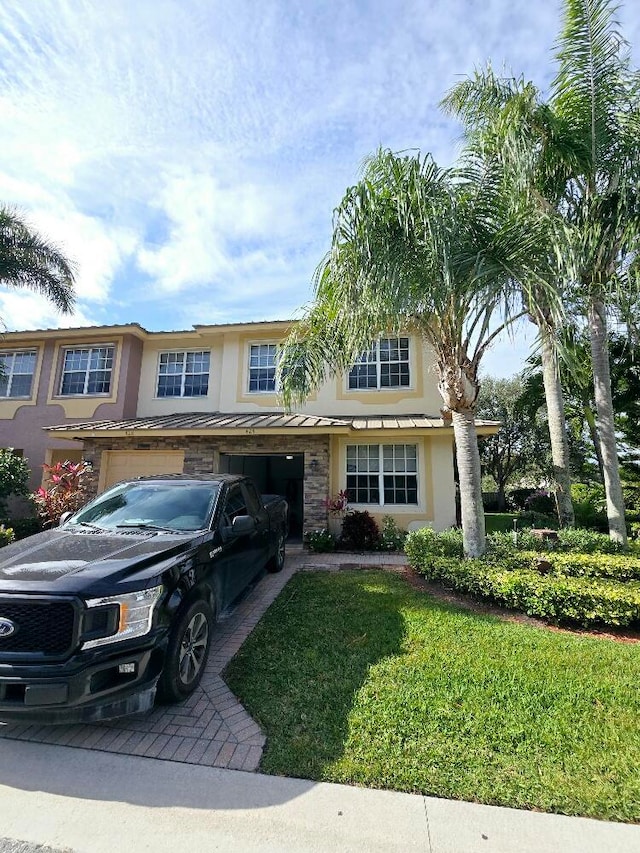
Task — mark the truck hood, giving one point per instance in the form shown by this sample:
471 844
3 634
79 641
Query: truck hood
68 561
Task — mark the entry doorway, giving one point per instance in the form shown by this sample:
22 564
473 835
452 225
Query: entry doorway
273 474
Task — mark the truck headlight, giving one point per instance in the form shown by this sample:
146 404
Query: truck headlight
125 617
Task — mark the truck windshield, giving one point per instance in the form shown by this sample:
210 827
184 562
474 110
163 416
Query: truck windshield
157 505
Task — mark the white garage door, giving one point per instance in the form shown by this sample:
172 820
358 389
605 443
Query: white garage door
117 465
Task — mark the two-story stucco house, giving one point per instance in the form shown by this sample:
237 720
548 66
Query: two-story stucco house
135 402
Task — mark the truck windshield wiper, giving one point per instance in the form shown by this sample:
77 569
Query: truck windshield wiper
143 525
86 524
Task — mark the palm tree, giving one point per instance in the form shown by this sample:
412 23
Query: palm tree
418 248
585 147
28 261
597 96
505 118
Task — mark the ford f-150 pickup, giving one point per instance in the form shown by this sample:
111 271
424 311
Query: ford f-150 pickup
119 602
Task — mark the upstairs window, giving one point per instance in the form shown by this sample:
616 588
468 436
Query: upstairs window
385 365
16 373
262 367
382 474
183 374
87 370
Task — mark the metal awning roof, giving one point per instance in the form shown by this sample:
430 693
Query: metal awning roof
216 422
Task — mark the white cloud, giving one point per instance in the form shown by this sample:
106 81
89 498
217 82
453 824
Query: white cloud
20 310
197 149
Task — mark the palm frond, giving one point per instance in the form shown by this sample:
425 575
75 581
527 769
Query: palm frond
29 261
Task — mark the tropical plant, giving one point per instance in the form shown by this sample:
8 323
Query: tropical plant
27 260
65 490
420 248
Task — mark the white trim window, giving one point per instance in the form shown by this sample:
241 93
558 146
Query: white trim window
382 474
262 368
87 370
183 374
17 369
384 365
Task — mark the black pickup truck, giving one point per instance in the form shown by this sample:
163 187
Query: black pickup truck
119 602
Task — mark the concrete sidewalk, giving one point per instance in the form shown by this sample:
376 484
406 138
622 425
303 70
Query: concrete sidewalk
93 802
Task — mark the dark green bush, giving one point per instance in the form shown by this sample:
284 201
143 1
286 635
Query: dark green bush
511 579
23 527
359 531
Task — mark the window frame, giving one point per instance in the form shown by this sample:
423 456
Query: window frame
183 374
14 352
250 347
89 348
382 472
377 362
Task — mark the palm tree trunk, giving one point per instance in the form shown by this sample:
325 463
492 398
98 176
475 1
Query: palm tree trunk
557 428
595 438
468 459
606 427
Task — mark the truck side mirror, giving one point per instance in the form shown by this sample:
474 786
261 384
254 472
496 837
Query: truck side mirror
64 517
242 525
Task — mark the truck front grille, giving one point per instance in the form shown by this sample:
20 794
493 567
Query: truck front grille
37 626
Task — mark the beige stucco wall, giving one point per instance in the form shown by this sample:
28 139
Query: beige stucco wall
436 489
149 404
229 379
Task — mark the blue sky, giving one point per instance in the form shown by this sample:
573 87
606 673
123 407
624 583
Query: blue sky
188 154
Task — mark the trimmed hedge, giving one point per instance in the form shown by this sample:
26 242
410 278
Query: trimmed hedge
512 581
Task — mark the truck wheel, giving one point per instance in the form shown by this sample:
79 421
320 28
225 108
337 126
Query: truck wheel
187 652
276 563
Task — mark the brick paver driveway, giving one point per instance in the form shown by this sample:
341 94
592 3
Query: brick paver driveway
211 727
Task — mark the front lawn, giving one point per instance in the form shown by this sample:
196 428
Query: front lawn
358 677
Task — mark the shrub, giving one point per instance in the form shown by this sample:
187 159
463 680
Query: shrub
589 506
569 539
320 541
540 502
391 537
571 592
65 490
6 535
517 498
23 527
447 543
360 531
14 476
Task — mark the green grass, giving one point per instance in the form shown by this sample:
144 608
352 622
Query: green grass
499 522
358 677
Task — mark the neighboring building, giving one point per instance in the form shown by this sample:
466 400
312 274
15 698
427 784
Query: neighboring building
135 402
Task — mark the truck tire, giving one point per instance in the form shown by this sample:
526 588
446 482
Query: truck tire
187 652
276 563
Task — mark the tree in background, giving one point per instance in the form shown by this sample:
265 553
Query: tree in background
520 448
29 261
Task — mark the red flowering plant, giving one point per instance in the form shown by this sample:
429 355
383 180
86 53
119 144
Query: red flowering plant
65 490
338 504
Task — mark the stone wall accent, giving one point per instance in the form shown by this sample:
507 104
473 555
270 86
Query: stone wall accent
202 456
